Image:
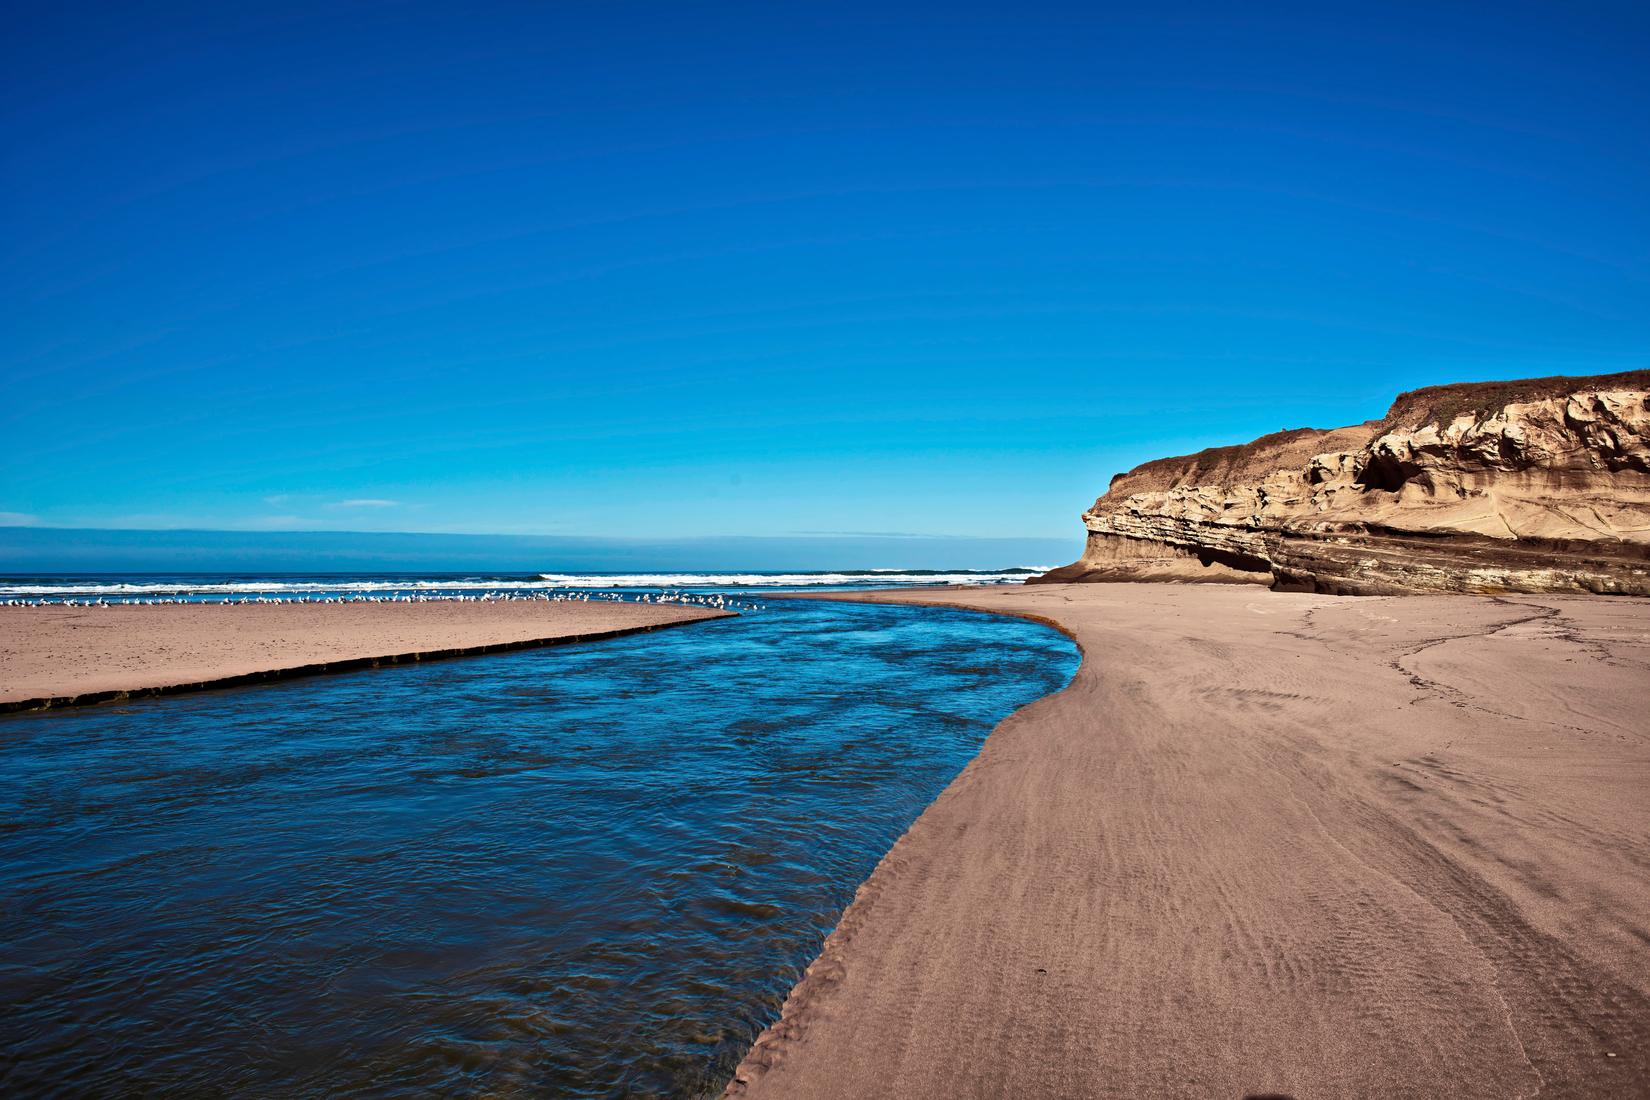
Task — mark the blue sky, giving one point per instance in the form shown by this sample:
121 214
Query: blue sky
631 271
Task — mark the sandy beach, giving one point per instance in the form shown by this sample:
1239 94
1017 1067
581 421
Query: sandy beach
1266 844
60 656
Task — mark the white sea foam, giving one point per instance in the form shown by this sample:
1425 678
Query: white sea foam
777 580
77 588
257 587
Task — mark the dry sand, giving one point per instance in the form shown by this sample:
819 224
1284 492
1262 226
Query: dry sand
1266 844
64 655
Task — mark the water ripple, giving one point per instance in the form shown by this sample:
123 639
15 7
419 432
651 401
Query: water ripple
590 871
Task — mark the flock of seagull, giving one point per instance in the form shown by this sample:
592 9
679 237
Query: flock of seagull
716 601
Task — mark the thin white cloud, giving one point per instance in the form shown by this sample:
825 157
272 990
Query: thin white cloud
18 519
367 502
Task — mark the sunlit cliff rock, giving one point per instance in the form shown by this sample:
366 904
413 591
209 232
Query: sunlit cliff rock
1540 485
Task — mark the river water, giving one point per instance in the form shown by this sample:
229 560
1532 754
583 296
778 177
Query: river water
593 870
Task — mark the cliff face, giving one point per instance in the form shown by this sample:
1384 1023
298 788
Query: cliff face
1541 485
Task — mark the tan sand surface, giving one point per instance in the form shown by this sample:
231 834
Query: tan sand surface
1266 844
79 654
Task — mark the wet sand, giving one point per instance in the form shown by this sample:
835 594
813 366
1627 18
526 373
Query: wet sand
63 656
1266 844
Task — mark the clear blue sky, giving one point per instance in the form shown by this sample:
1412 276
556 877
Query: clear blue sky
673 270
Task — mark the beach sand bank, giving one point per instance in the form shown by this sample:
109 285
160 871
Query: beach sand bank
1266 844
61 656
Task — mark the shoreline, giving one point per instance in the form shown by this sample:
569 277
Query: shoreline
1264 843
56 656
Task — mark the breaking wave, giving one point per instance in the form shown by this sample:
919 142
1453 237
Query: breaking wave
867 578
223 586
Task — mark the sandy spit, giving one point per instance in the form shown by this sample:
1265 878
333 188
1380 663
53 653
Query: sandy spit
60 656
1266 844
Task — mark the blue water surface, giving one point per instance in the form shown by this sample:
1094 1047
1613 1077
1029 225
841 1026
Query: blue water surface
593 870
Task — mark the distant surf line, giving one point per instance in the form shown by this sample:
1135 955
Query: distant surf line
235 585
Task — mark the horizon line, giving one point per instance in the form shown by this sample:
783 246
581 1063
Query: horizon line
257 531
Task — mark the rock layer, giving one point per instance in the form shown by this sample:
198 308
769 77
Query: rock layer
1540 485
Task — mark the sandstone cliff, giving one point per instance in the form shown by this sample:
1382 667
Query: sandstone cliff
1541 485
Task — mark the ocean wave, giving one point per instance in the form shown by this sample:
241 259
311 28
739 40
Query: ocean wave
257 587
109 587
786 580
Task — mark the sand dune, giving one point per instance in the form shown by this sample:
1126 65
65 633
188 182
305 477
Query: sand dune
61 655
1266 843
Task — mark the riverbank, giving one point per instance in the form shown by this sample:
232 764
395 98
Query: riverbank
63 656
1265 843
590 871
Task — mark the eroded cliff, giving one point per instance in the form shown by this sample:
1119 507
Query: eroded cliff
1540 485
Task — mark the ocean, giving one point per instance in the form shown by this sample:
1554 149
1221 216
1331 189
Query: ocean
130 587
593 870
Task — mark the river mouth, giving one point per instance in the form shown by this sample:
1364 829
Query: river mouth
587 871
